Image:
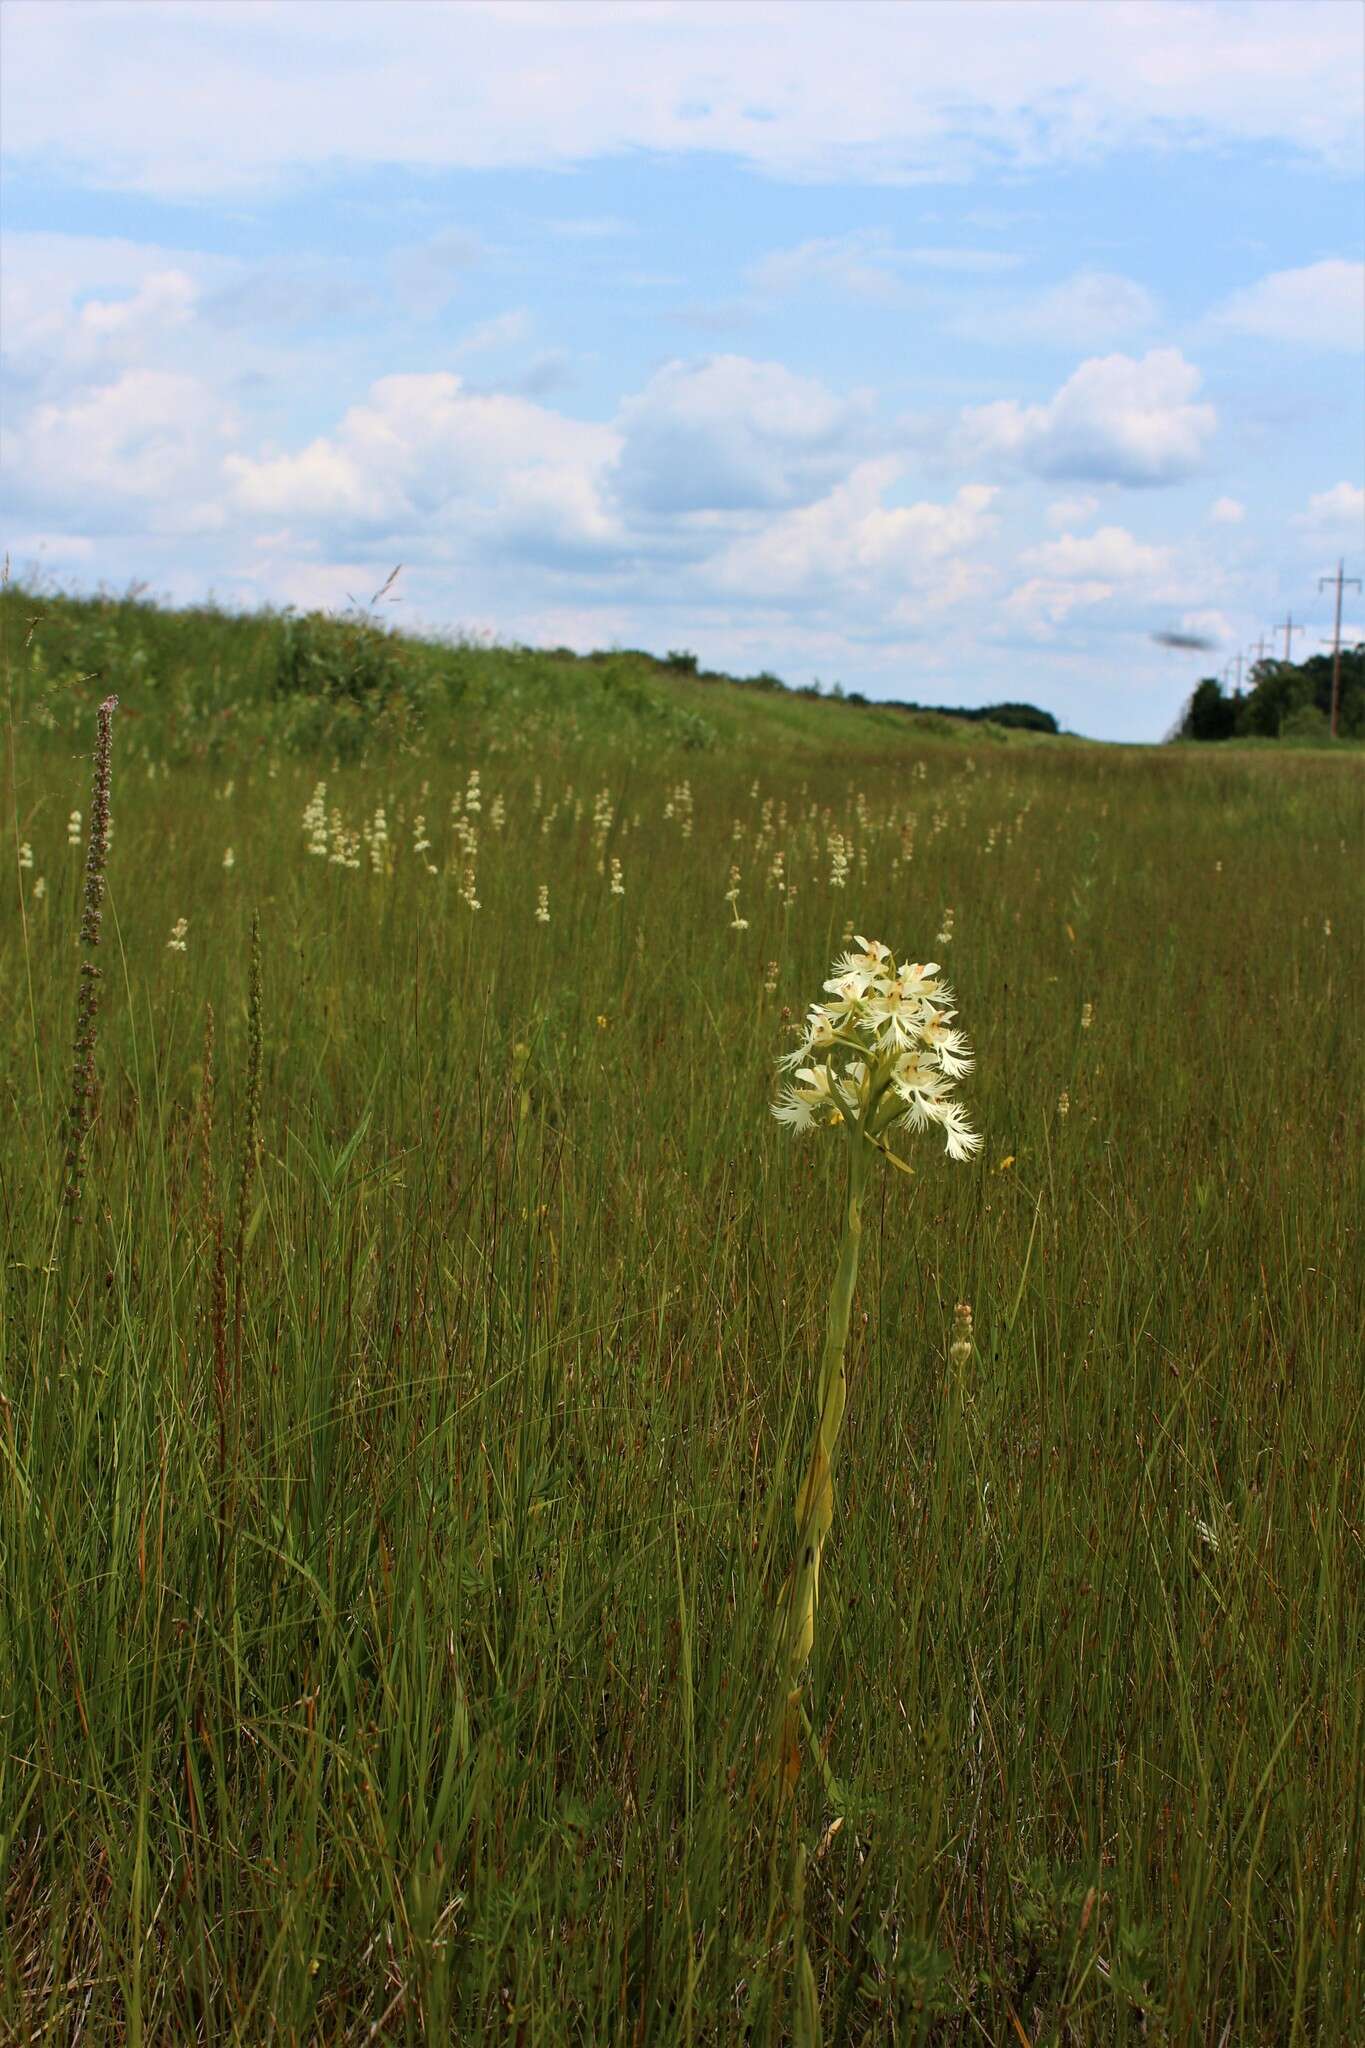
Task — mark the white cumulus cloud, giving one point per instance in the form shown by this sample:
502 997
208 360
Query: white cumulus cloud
424 453
1116 420
1079 571
73 305
731 434
1340 510
1113 554
150 439
851 540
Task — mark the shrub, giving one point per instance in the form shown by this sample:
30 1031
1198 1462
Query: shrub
341 659
1306 722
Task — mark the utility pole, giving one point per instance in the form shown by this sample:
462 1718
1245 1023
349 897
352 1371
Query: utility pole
1260 648
1235 662
1339 580
1286 626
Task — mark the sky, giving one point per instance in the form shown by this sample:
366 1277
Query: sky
942 351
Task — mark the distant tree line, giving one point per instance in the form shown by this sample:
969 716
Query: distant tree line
1285 700
1028 717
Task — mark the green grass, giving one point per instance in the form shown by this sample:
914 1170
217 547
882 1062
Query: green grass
383 1615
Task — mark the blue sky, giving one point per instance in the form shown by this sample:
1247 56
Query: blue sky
944 351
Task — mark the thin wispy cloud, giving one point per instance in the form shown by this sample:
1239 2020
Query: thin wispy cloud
868 264
1319 305
1087 310
858 93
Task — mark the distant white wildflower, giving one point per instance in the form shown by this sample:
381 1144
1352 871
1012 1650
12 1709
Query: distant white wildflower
679 806
315 820
882 1053
73 829
26 855
618 887
40 889
737 923
176 942
229 858
1087 1015
344 844
543 903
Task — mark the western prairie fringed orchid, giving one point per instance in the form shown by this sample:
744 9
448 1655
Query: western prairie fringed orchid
881 1054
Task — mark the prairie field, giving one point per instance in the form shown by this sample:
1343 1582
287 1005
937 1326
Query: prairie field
399 1437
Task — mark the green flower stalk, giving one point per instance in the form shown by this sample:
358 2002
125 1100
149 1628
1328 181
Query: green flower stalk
881 1055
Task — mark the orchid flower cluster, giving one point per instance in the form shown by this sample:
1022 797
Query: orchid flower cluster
883 1052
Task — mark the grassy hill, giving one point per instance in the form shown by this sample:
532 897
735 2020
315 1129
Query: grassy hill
212 682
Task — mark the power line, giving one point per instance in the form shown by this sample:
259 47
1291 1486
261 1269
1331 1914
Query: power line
1287 626
1339 580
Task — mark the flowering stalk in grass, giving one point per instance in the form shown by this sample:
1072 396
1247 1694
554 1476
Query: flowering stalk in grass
880 1055
81 1113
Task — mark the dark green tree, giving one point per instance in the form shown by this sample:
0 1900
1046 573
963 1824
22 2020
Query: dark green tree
1209 715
